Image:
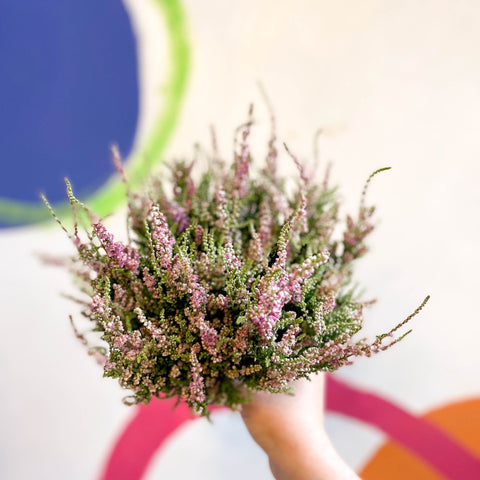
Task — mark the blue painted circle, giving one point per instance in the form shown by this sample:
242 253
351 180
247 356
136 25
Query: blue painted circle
68 89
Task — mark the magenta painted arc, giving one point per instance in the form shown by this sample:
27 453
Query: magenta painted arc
422 438
143 436
153 424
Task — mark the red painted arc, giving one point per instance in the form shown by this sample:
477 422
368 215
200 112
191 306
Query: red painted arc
153 424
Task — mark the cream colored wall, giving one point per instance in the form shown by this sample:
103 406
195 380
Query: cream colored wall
392 84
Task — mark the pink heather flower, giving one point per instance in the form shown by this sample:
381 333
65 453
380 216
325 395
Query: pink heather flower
149 280
286 344
120 341
121 297
156 332
121 255
242 164
231 261
162 237
132 260
266 222
329 304
198 296
196 394
209 338
99 306
221 301
179 216
271 295
110 366
256 251
221 207
199 231
240 342
184 279
302 272
298 220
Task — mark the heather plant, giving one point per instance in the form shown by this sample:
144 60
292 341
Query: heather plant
227 284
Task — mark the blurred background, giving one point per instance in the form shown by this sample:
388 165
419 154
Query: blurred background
390 83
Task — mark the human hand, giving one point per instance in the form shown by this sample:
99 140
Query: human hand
290 429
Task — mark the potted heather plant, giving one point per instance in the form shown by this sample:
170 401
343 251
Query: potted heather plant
227 284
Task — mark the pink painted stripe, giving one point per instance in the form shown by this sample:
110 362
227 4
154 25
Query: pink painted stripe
153 424
143 436
421 437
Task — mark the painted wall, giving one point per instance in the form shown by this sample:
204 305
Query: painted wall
391 83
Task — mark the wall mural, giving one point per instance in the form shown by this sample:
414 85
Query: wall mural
72 89
443 444
74 67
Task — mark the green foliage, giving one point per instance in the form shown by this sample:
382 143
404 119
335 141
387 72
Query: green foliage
227 284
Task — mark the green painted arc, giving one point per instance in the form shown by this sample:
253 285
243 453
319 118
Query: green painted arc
112 194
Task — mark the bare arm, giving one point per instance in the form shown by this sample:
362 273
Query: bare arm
290 429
